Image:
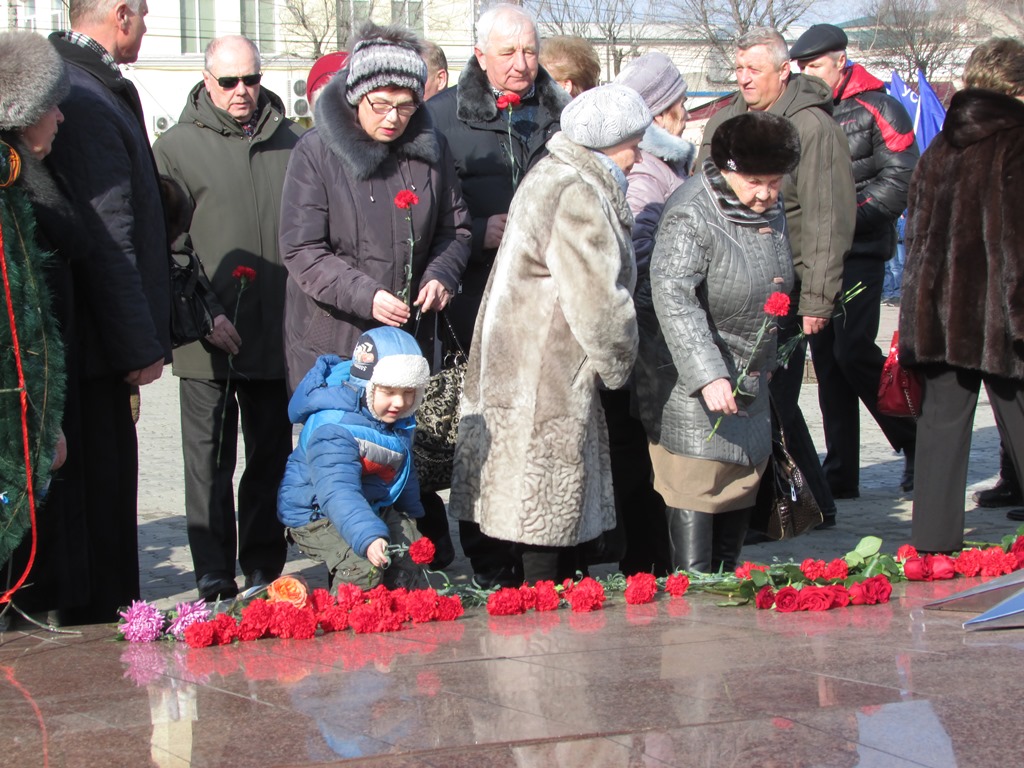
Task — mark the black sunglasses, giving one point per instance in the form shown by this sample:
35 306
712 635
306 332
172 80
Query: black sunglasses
229 83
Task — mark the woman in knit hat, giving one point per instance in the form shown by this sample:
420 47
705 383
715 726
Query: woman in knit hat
374 230
33 80
702 375
556 325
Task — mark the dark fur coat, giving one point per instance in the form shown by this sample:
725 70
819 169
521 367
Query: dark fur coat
963 285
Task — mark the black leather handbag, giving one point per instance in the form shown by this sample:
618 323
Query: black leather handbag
785 506
191 318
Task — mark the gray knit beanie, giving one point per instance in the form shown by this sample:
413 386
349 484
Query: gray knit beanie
33 79
384 57
605 116
655 77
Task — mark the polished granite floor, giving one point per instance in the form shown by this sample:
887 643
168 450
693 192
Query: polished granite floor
680 682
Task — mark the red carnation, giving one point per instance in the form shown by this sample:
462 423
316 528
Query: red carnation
422 551
245 274
255 622
813 569
508 100
837 569
449 608
968 562
349 596
333 619
641 588
677 584
814 599
787 600
291 622
777 305
421 605
375 616
529 595
406 199
765 597
906 551
225 628
200 634
322 600
547 596
743 571
996 562
507 601
585 596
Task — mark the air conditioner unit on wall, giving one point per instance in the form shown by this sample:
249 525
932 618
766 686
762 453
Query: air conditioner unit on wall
162 123
298 106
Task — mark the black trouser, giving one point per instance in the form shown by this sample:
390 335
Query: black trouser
848 364
785 389
944 445
209 489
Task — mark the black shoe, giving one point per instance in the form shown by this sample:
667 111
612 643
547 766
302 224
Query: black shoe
259 578
215 586
907 481
1015 514
845 493
444 553
498 577
1002 495
828 520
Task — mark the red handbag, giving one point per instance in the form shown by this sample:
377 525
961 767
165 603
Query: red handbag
899 391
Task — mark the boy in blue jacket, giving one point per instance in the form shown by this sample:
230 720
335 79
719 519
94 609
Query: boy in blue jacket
350 487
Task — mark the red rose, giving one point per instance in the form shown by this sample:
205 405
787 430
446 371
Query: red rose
812 569
200 634
1017 549
777 305
858 594
245 274
917 569
677 584
449 608
406 199
942 567
837 569
587 595
968 562
904 552
877 590
765 598
787 600
840 596
547 596
508 100
422 551
814 599
641 588
507 601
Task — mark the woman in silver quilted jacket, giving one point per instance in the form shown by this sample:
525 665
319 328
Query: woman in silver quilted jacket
702 374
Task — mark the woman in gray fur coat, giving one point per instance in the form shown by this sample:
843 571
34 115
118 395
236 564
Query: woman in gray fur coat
557 324
721 251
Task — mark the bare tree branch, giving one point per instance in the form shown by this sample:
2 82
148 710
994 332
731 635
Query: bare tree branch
908 35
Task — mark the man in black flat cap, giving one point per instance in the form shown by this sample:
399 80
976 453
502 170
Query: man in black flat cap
846 359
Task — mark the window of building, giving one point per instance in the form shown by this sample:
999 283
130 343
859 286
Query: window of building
198 25
258 23
409 13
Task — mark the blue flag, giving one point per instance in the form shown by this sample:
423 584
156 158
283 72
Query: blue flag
925 108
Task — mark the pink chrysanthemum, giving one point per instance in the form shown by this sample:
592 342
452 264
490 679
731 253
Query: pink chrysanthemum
143 622
188 614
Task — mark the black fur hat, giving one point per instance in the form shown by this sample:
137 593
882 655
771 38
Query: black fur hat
756 143
33 79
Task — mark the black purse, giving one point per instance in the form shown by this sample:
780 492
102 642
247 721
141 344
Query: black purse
785 506
191 318
437 420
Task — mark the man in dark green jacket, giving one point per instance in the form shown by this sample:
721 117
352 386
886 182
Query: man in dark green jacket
229 151
821 212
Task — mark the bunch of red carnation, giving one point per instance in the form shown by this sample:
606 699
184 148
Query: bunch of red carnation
814 570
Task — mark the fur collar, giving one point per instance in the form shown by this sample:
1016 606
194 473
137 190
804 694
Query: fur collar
476 102
360 155
665 146
975 114
590 167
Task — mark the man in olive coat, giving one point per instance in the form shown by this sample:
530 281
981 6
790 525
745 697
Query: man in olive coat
229 151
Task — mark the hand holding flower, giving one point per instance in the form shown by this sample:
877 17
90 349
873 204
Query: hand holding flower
377 553
224 335
389 309
719 397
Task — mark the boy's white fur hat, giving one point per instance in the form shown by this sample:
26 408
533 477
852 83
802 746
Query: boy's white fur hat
389 357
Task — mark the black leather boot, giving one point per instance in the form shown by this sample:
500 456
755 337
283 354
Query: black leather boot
730 530
689 538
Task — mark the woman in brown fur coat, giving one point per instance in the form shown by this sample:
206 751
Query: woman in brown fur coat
962 315
557 323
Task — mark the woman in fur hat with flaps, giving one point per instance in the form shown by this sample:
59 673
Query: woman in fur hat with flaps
702 377
42 239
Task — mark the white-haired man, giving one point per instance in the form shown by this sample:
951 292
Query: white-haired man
494 147
122 282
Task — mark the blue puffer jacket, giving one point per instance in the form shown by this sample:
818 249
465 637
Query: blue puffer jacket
347 465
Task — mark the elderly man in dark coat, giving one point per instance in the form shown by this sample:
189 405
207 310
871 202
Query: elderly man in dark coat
122 286
494 147
229 151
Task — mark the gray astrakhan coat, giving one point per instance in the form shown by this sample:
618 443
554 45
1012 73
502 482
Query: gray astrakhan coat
715 263
532 462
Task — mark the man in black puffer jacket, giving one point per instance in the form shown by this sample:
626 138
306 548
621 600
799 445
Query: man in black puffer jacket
846 359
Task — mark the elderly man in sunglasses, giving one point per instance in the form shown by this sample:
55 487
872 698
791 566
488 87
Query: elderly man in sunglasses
229 152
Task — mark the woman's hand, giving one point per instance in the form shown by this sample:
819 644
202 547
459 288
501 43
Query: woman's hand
433 296
389 309
60 452
377 553
719 398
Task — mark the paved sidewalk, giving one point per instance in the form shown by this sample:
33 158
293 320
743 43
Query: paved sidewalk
881 510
